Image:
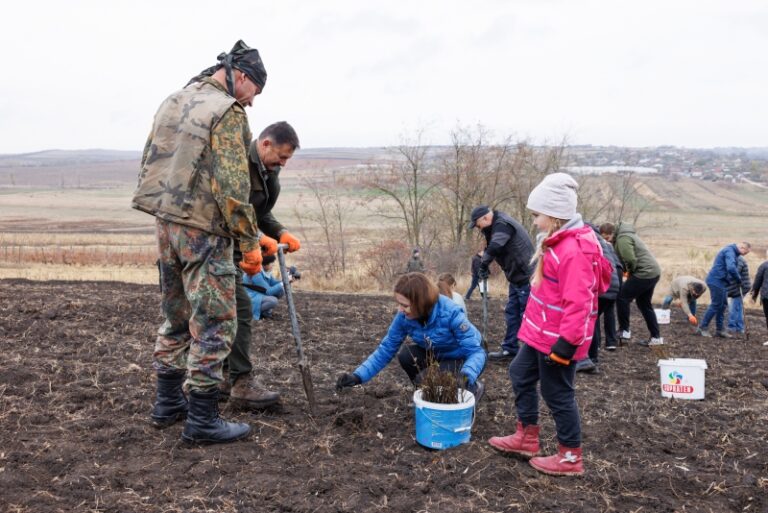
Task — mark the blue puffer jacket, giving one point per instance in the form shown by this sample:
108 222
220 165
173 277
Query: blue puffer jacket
265 280
724 270
448 332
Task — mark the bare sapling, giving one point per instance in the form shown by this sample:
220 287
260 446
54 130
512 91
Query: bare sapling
438 385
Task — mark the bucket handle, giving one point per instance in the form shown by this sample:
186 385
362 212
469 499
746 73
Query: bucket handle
453 430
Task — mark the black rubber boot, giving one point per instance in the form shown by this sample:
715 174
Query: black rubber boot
170 403
204 426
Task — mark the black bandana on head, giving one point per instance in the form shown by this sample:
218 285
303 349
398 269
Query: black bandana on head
241 57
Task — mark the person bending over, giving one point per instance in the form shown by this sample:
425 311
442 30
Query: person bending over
435 325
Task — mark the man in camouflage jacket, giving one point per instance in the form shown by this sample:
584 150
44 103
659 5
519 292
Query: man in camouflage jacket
194 180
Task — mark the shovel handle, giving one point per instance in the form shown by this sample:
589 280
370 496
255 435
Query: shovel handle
289 298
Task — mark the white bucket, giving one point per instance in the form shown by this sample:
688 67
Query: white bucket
682 378
662 315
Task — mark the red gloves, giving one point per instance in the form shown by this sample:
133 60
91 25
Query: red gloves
268 245
692 320
251 262
291 241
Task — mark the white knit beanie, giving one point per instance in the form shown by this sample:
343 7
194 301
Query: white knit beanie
555 196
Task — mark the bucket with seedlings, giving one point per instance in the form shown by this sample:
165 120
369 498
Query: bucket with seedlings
444 411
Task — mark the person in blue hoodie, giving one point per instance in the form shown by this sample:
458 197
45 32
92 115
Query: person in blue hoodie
264 289
437 327
723 273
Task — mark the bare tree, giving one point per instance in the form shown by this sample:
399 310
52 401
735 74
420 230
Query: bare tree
406 181
333 210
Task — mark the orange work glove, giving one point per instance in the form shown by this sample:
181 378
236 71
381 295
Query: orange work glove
268 245
692 320
292 242
251 262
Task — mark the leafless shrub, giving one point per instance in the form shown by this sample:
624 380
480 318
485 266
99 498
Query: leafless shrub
386 260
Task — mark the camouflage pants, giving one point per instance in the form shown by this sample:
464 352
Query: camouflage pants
197 278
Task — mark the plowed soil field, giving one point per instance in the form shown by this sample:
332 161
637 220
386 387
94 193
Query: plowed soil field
76 387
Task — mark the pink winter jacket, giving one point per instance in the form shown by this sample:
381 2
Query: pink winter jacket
564 303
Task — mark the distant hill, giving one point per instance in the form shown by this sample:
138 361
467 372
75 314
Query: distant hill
65 157
87 169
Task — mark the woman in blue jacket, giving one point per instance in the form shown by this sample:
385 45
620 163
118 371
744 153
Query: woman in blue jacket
263 289
434 323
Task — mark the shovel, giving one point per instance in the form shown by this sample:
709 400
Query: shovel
306 377
484 294
744 315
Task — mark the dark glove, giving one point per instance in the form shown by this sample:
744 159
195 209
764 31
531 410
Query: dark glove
561 353
483 273
347 379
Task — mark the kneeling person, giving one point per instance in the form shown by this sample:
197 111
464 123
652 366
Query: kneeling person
434 323
264 289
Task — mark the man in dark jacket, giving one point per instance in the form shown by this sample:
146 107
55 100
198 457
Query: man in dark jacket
760 289
476 259
508 243
267 154
724 272
605 303
736 292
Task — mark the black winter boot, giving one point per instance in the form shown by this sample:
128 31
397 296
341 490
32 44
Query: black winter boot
204 426
170 404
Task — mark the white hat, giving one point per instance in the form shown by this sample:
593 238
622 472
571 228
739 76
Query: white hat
555 196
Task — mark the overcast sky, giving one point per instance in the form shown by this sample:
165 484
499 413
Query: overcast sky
90 74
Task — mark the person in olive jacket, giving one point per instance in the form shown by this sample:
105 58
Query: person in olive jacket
643 275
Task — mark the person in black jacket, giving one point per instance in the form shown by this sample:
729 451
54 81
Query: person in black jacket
760 289
266 156
476 259
605 305
508 243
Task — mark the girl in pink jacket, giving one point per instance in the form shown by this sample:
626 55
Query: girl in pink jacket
557 327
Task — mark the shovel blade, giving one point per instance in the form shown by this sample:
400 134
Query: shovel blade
306 381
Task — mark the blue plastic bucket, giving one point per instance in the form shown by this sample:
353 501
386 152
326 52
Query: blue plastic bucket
441 426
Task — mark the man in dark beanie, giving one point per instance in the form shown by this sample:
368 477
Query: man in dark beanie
509 244
194 179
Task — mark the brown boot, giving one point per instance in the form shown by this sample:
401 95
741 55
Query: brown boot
251 393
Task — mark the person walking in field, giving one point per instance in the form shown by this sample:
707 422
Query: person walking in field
686 290
724 272
267 155
475 270
571 272
508 243
194 180
437 328
736 292
760 289
643 275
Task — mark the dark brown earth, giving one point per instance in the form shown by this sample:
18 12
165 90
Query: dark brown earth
76 386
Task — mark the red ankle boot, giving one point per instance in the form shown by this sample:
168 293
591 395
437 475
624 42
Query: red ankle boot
524 442
567 462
